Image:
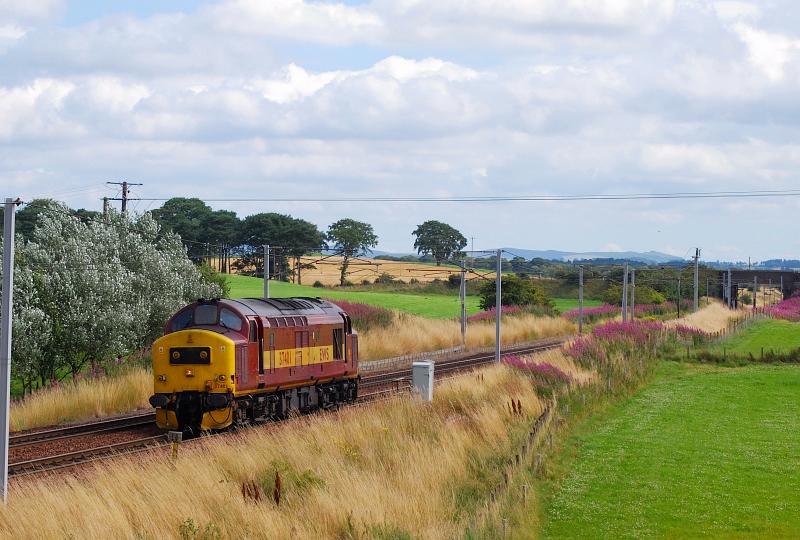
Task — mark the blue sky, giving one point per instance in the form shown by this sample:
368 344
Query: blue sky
292 98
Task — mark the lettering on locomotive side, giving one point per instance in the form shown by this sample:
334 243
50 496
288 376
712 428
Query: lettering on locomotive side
324 354
285 358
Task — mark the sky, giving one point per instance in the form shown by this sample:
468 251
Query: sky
392 98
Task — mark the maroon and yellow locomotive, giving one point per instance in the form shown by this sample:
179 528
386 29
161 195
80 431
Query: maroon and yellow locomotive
222 362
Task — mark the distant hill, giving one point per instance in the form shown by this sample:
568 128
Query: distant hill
648 257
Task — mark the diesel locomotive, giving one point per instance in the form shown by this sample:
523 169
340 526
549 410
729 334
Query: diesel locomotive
224 362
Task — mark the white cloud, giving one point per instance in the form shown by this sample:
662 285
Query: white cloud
29 9
693 161
733 10
769 52
405 96
321 22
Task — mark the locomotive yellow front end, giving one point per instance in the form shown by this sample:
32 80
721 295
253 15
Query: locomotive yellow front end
193 379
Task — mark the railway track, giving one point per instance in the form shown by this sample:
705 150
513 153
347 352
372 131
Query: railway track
378 386
77 430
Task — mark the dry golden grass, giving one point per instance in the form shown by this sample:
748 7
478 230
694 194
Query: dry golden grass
410 334
392 467
83 400
711 318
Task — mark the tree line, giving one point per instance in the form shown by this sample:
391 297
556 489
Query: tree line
221 237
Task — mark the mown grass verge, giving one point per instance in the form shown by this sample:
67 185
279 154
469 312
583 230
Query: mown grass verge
702 451
765 335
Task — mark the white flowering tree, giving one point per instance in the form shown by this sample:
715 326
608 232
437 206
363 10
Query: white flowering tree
90 291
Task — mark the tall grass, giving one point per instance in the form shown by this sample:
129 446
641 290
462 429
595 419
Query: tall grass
84 399
410 334
711 318
397 469
382 338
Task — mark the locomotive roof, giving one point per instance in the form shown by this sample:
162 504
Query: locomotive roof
278 307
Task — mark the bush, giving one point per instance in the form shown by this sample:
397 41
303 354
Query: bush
365 316
209 275
747 299
454 280
318 284
383 279
515 292
644 295
366 282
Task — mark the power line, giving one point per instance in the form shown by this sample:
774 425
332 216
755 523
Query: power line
521 198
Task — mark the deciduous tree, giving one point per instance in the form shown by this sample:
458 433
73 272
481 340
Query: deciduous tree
439 240
351 238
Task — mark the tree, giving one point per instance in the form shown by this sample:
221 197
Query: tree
290 237
188 218
351 238
28 216
93 291
516 291
222 230
439 240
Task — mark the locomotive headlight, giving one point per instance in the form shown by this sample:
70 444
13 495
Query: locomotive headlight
162 378
176 355
189 373
203 355
221 378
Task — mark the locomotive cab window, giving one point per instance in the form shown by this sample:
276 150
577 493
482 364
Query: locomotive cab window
229 319
206 314
182 320
338 345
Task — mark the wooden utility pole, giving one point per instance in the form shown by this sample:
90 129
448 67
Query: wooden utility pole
126 192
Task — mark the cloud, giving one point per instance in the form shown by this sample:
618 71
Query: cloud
769 52
29 10
399 97
732 10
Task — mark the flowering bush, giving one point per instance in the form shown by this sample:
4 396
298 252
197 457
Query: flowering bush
592 314
545 375
365 316
788 309
636 331
586 351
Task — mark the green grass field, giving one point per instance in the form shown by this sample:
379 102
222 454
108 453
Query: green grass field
565 304
779 336
436 306
701 452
